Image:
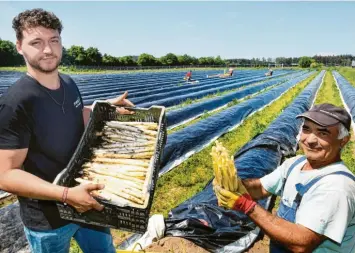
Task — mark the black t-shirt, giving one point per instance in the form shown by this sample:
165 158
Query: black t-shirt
31 116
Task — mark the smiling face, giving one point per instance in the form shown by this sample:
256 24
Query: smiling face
321 144
41 48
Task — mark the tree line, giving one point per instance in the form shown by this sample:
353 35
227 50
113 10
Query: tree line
305 61
79 56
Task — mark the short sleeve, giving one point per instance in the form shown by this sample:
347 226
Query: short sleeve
331 217
14 128
273 182
79 94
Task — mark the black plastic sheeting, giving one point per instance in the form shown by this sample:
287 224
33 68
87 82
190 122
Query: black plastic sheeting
174 98
200 220
149 86
347 91
12 236
155 84
182 115
191 139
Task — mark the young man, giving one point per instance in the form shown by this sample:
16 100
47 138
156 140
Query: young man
317 209
42 118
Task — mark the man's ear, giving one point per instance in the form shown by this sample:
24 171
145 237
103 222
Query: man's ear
19 47
345 140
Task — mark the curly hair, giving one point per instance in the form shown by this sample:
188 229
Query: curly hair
34 18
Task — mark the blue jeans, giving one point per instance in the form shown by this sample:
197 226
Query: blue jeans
58 240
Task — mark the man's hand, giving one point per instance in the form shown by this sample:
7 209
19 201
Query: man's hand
80 197
122 101
239 201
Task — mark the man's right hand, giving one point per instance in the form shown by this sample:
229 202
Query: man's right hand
80 197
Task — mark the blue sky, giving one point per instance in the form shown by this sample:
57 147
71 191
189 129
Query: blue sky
228 29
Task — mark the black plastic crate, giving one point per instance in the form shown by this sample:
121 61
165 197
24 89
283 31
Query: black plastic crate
125 218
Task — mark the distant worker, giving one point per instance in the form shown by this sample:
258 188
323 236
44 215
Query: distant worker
225 75
188 76
269 73
230 72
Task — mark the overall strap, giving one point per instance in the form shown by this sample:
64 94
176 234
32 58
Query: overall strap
295 163
298 161
302 189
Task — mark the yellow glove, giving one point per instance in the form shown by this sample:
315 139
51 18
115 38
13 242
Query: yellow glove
239 201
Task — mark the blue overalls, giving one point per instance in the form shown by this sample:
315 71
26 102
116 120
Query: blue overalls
289 213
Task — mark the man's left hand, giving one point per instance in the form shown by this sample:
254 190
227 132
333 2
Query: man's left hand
122 101
239 201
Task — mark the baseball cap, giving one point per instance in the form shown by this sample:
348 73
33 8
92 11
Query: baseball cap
327 115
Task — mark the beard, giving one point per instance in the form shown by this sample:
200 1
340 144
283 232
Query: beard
42 67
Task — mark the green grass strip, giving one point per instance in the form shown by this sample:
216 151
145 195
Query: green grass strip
207 114
349 74
190 101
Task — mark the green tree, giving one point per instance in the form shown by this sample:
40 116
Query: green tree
109 60
305 62
93 56
203 61
147 60
66 58
169 59
9 55
78 54
128 61
186 59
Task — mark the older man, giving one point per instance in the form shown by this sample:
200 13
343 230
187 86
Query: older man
317 208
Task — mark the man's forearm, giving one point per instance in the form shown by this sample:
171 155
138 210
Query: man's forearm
24 184
291 235
255 188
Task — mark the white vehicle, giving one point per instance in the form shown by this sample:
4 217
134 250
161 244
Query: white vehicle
353 64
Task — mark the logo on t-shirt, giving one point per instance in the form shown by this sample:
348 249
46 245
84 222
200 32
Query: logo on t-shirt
77 102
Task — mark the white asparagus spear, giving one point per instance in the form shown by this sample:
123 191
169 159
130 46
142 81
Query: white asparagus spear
117 181
117 124
115 174
109 140
148 132
122 138
125 150
139 162
134 174
149 125
116 167
126 156
136 129
129 145
108 130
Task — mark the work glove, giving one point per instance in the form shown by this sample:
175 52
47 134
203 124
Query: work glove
238 201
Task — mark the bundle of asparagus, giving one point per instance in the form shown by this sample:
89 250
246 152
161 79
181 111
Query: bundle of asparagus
121 161
224 169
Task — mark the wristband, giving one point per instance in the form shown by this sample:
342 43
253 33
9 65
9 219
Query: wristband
65 195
